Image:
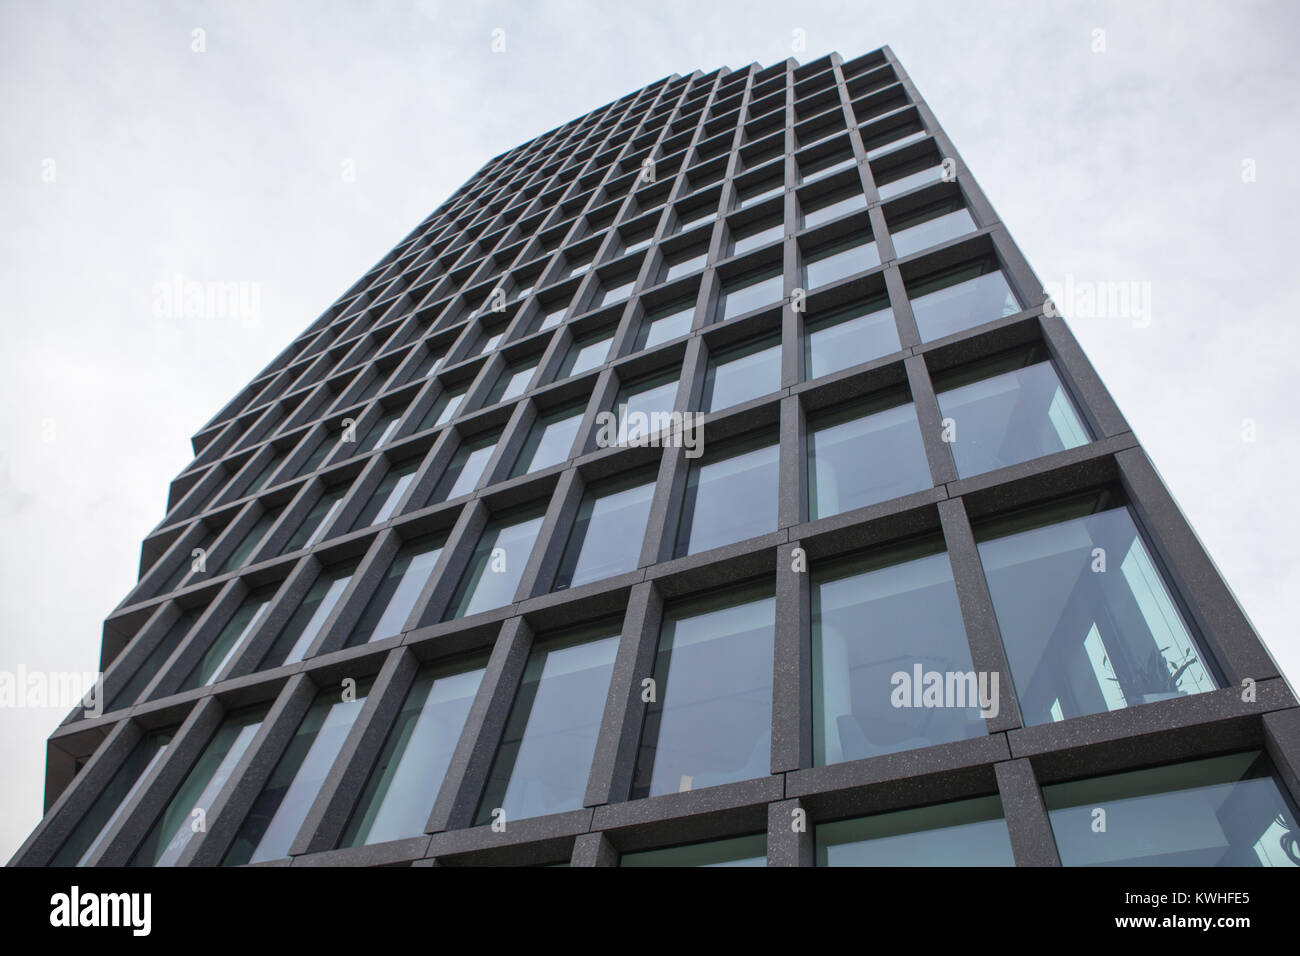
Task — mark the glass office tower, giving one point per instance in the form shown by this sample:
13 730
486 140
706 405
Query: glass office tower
704 483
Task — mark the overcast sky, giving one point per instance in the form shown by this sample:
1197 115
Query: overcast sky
1160 151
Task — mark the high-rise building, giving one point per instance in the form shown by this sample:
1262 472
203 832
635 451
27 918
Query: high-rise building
706 481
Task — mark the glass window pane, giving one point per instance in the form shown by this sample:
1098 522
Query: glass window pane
738 851
1224 811
850 337
756 239
855 460
388 494
689 219
252 539
685 264
712 720
278 812
422 368
172 831
730 499
891 665
891 140
642 404
638 241
292 643
511 383
838 261
317 521
585 354
965 833
442 410
607 533
617 289
392 603
740 374
552 315
1088 630
264 475
751 195
465 469
549 441
496 566
94 825
545 754
824 166
231 640
825 208
906 178
930 229
133 688
751 292
400 792
666 324
323 447
185 566
961 300
1005 419
378 433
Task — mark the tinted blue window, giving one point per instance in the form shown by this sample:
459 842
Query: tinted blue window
1087 620
960 300
891 665
856 458
849 337
1225 811
400 792
278 812
1004 419
730 498
740 374
545 754
607 533
965 833
496 566
711 722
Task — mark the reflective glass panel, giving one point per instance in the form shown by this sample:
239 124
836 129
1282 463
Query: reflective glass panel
891 665
1224 811
1088 623
965 833
711 722
401 790
731 498
544 758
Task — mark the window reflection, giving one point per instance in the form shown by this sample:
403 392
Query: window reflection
711 722
1088 623
965 833
1224 811
546 749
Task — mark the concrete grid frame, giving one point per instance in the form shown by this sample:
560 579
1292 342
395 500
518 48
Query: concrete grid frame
411 361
